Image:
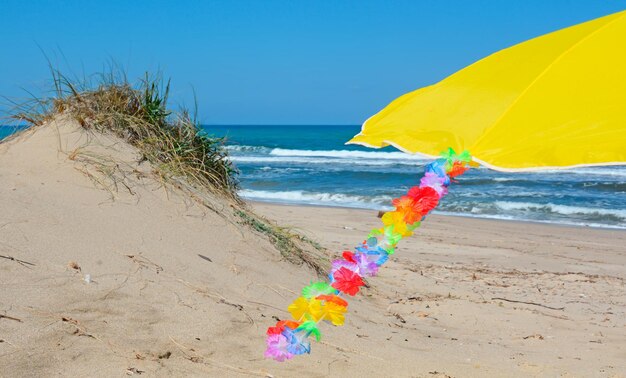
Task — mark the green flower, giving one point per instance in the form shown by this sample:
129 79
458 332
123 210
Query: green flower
317 288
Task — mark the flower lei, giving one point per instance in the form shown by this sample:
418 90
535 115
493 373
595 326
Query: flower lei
320 301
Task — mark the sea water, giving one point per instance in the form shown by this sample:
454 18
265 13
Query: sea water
5 131
312 165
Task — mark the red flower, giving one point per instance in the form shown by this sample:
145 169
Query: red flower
280 327
349 256
347 281
427 197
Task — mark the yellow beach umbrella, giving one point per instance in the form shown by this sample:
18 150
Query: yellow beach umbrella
558 100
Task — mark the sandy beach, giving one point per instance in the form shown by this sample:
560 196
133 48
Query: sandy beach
455 292
99 279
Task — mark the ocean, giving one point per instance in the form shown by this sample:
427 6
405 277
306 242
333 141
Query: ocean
5 131
311 165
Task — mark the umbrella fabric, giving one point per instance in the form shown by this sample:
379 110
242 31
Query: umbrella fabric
558 100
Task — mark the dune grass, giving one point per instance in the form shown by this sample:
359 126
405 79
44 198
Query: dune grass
293 247
172 141
181 152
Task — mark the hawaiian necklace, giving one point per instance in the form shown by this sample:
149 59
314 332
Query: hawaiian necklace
321 301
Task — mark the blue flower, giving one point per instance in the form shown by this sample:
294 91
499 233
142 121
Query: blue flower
438 167
297 341
373 251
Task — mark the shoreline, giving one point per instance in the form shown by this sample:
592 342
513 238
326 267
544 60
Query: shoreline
436 213
517 245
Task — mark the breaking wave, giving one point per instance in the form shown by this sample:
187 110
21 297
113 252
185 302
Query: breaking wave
619 215
348 154
319 160
316 198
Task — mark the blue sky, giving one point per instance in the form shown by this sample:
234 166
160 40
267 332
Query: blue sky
274 62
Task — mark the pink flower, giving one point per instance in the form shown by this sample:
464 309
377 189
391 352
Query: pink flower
338 264
434 181
277 348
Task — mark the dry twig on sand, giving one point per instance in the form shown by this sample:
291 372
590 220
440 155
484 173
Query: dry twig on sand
528 303
10 317
21 262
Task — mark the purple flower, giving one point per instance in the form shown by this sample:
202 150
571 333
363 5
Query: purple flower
277 348
338 264
434 181
366 267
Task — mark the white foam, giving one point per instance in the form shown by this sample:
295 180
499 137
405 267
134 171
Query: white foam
600 171
559 209
313 198
243 148
313 160
348 154
382 202
516 219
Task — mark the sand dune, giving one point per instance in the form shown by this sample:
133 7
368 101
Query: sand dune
116 274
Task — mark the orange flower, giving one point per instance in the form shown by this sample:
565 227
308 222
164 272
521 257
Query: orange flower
411 209
458 168
332 298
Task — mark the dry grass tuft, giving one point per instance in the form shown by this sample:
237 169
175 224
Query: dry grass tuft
172 141
294 248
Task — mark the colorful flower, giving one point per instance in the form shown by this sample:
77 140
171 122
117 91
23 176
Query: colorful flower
396 219
348 256
277 348
389 238
457 169
334 313
409 208
372 251
347 281
306 309
451 157
365 266
297 341
426 197
434 181
332 298
280 326
310 328
317 288
338 264
437 166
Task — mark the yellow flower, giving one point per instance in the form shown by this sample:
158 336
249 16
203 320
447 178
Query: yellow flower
396 219
334 313
306 309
